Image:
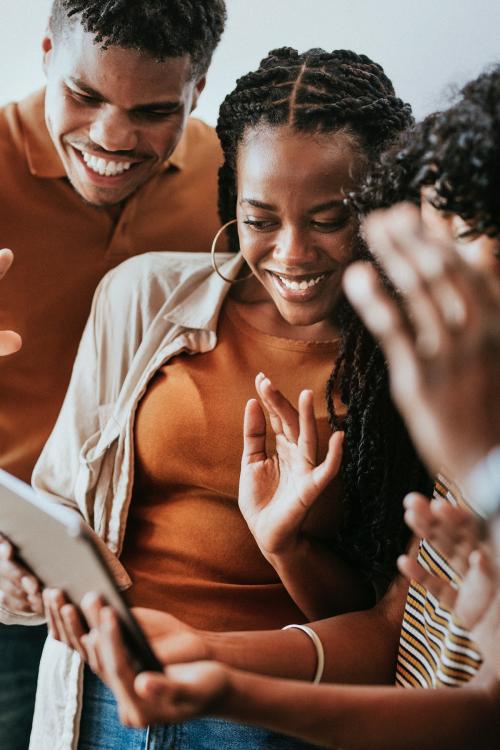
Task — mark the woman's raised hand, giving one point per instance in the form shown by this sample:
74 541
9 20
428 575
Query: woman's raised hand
277 491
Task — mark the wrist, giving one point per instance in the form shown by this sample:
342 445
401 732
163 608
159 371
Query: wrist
241 696
230 699
288 553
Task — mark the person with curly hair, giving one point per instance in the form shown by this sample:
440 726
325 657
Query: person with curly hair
449 161
148 443
448 165
100 165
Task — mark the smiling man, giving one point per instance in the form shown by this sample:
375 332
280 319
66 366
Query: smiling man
103 164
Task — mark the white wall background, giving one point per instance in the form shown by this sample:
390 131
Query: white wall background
425 46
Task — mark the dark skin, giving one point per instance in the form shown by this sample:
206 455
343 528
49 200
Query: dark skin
131 123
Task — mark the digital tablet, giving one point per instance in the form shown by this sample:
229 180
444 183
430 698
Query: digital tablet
54 542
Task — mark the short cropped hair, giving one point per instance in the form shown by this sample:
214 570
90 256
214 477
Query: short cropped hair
160 28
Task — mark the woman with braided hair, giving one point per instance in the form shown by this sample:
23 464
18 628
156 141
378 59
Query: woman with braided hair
147 450
433 392
348 94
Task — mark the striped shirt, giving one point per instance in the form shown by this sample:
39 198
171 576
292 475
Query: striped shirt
434 649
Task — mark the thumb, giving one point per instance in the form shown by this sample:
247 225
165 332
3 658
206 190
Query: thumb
254 433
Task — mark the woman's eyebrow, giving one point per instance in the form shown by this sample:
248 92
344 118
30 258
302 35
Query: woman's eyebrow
257 204
335 203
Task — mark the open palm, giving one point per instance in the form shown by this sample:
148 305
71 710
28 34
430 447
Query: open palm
276 492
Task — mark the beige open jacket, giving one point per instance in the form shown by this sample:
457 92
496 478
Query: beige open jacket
144 312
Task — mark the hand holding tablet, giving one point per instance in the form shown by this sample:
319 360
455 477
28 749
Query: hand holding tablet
49 543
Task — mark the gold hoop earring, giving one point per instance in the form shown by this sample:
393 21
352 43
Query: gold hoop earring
212 255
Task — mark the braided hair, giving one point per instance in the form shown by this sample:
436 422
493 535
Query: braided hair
456 152
329 92
159 28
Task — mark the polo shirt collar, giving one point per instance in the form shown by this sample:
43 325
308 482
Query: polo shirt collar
41 154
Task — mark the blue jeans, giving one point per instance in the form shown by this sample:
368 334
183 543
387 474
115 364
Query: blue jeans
100 729
20 651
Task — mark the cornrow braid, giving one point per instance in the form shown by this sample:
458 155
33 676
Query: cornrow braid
161 29
328 92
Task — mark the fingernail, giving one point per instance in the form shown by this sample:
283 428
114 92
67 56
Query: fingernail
29 585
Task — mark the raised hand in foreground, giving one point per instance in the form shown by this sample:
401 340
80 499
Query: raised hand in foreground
442 346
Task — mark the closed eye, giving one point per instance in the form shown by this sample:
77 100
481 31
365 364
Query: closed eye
331 225
154 114
84 98
260 225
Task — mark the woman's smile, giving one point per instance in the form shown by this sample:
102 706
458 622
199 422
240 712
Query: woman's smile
300 287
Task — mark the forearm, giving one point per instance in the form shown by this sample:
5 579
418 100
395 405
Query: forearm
320 582
360 647
367 718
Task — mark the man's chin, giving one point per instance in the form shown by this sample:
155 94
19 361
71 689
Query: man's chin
102 197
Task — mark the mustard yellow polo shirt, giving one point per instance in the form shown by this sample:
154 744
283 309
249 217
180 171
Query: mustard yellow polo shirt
63 247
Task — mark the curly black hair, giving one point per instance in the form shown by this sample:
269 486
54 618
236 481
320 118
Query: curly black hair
160 28
456 152
328 92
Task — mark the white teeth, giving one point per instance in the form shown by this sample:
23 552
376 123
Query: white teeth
302 285
105 167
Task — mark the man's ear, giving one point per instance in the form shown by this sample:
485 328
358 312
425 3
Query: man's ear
200 85
47 47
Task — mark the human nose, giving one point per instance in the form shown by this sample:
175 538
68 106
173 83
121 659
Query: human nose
112 130
293 246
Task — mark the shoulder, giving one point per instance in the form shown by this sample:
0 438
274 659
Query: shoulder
10 132
131 302
145 282
199 132
18 121
201 143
